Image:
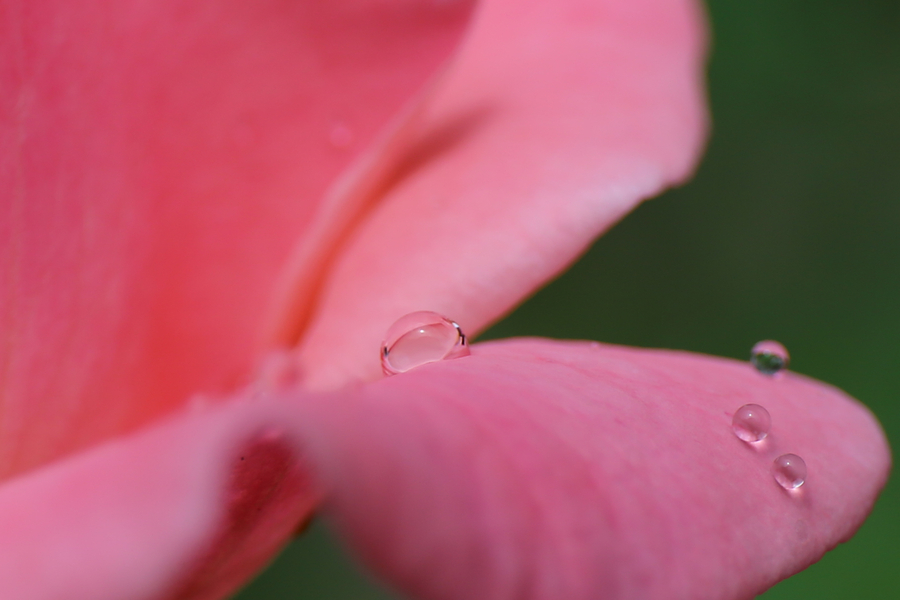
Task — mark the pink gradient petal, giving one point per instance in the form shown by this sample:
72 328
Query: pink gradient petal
548 470
188 509
158 160
553 121
530 469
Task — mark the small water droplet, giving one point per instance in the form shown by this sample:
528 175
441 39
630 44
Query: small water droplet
769 357
419 338
751 423
340 136
789 471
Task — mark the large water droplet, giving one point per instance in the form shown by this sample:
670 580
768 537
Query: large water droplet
419 338
789 471
769 357
751 423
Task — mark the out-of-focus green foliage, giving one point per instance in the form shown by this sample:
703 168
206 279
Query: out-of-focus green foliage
790 231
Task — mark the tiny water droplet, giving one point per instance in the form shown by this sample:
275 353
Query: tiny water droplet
769 357
789 471
340 136
751 423
419 338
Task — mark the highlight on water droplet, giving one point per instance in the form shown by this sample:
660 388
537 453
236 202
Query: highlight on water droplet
789 471
419 338
769 357
751 423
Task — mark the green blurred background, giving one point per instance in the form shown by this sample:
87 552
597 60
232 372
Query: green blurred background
790 231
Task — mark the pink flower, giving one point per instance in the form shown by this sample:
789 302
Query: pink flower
187 187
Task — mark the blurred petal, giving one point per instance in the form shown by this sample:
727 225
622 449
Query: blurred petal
531 469
547 470
158 160
553 121
189 509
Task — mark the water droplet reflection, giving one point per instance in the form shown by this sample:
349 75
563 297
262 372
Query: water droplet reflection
751 423
769 357
789 471
419 338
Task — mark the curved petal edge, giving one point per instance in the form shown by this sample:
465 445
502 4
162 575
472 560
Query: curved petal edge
545 470
551 123
188 509
530 469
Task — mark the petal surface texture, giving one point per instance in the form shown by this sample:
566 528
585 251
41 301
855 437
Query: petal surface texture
545 470
158 161
187 509
553 120
528 470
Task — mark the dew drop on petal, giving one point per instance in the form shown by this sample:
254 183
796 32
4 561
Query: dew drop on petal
751 423
769 357
789 471
419 338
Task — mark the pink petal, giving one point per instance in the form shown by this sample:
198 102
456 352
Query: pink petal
158 160
189 509
531 469
553 121
547 470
